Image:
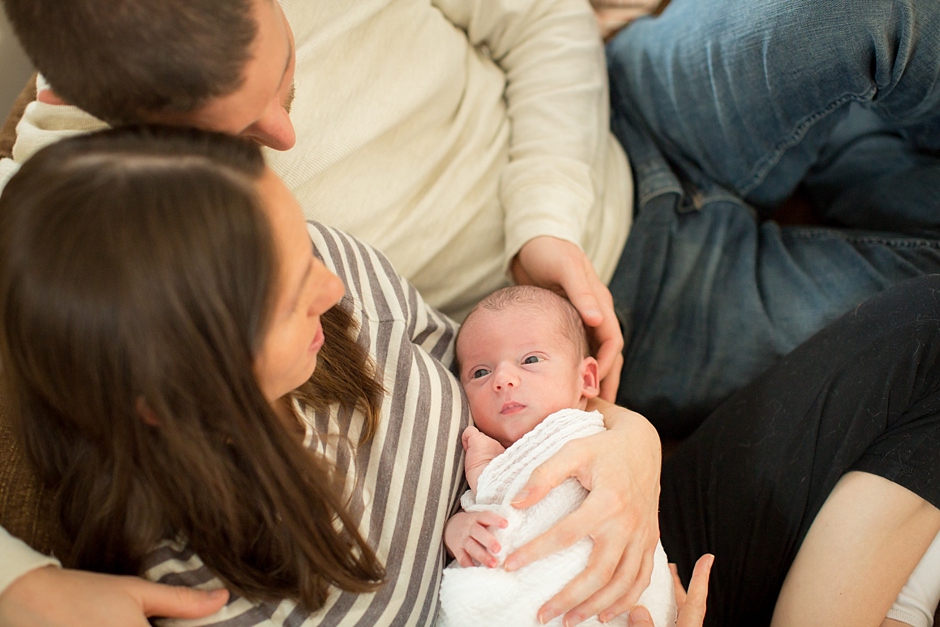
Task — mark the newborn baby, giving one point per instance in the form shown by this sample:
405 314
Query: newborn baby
523 362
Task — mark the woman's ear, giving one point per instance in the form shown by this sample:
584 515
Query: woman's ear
590 383
146 414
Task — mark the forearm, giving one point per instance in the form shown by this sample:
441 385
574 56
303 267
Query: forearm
556 99
18 559
861 548
644 440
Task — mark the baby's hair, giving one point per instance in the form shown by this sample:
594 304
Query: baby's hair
567 317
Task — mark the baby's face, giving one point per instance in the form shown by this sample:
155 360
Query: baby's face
516 368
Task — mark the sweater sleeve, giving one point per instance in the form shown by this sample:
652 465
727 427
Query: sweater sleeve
18 559
556 94
43 124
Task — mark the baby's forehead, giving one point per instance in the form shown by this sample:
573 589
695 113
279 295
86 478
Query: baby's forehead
484 322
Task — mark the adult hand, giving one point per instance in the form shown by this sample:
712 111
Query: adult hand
561 266
621 469
48 96
691 606
53 597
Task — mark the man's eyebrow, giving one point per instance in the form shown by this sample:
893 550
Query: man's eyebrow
290 56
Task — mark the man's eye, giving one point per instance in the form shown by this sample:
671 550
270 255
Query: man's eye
532 359
479 372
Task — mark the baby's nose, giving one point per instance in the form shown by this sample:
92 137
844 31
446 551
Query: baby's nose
505 378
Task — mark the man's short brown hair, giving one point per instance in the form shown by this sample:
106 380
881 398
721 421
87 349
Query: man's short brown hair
119 59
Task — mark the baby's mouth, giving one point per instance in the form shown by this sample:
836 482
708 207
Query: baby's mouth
511 407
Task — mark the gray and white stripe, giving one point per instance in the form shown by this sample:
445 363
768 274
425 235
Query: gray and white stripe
402 485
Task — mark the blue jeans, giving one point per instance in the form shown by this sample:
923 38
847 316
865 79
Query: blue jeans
724 108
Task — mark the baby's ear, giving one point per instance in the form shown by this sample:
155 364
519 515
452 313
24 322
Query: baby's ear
590 383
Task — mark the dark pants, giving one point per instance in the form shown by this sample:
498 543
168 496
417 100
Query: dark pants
863 394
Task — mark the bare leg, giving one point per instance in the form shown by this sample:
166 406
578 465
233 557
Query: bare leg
861 548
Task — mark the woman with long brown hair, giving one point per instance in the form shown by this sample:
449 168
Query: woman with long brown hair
163 311
213 410
181 328
164 324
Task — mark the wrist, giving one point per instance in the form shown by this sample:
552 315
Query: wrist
642 437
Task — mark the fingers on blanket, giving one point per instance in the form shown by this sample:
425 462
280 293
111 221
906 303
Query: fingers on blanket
627 585
593 518
566 532
475 554
572 460
480 546
609 586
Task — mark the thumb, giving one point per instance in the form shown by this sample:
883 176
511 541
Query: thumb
179 602
585 301
640 617
549 474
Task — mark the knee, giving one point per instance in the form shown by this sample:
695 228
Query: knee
914 301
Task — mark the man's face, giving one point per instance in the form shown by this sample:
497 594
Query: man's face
259 109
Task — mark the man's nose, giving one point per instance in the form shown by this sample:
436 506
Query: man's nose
274 130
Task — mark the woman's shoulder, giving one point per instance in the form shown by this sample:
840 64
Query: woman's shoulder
377 295
370 280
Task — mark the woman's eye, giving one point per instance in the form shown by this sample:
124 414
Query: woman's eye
479 372
532 359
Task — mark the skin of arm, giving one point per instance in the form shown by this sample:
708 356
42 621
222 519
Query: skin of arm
467 535
860 550
480 449
621 469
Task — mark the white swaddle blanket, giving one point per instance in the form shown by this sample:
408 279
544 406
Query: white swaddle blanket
491 596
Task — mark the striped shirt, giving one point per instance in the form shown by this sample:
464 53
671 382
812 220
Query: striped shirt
402 485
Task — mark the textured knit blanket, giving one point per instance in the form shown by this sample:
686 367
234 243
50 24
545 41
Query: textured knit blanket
491 596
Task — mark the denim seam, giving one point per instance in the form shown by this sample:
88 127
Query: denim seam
764 166
823 233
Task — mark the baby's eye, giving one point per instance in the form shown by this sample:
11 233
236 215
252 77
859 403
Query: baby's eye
532 359
479 372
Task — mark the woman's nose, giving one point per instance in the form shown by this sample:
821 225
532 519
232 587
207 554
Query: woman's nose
329 290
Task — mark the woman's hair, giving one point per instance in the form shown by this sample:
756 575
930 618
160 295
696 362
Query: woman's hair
136 268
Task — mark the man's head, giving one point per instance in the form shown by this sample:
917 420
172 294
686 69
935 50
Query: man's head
222 65
522 354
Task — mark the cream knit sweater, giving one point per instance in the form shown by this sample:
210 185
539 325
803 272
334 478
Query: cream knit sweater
446 133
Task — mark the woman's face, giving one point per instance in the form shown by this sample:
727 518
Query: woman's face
304 290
